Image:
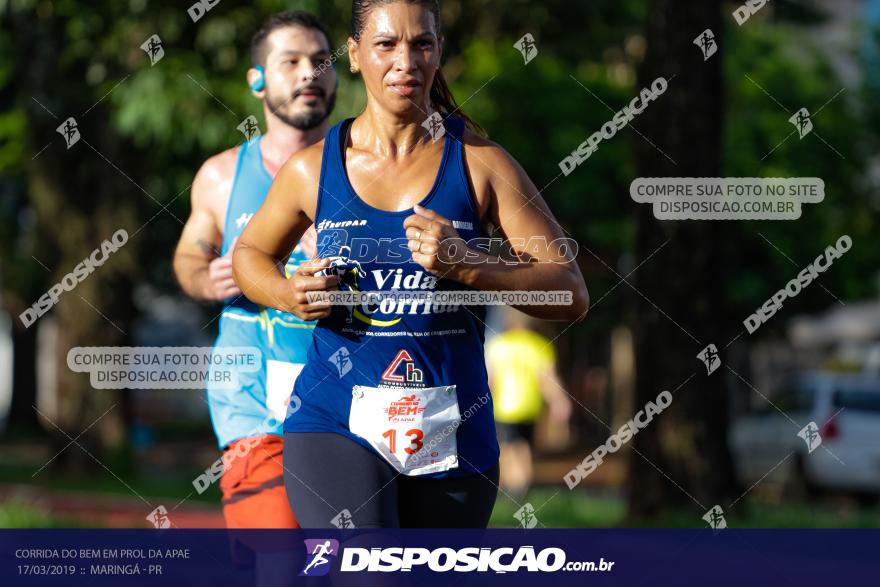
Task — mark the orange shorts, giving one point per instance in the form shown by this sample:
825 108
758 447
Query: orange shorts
253 484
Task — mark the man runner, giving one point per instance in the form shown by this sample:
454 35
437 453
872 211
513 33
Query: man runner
293 77
522 376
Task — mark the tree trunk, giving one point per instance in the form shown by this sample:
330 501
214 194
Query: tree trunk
22 416
687 444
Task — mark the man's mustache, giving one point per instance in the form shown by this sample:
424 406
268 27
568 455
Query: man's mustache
314 88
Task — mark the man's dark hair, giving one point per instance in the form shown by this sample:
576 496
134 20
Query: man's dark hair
283 19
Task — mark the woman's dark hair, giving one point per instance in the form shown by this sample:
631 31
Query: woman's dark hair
288 18
441 96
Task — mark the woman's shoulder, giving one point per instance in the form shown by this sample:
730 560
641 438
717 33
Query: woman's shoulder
302 171
487 161
298 180
307 161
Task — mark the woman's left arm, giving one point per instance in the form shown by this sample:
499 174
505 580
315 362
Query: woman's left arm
510 200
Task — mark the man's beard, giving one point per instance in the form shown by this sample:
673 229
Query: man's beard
308 120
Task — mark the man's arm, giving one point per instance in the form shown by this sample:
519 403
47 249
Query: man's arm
285 215
202 273
555 395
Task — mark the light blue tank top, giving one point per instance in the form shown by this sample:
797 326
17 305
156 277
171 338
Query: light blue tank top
362 345
258 404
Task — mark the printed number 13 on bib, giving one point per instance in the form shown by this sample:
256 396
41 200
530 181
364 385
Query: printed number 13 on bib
413 429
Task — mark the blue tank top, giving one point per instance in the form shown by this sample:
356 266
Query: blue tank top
361 345
259 404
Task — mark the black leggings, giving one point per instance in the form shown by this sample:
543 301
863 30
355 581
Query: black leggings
326 473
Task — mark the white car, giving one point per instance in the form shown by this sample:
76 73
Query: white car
845 456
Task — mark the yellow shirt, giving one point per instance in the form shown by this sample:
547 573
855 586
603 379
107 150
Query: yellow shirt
518 359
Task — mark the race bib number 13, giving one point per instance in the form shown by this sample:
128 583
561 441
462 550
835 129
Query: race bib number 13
414 429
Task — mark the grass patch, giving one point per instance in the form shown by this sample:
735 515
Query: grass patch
170 486
21 514
560 508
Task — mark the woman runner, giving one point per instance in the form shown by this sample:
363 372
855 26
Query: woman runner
390 422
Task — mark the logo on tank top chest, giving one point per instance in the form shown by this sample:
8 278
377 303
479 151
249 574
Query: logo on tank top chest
402 372
462 225
242 220
325 224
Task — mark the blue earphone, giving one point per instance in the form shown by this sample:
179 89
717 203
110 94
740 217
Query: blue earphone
258 84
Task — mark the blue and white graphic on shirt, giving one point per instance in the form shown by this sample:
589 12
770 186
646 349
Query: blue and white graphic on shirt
259 404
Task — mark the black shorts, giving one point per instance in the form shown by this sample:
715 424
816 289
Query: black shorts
327 473
514 432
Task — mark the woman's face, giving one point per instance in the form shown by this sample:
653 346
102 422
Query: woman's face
398 55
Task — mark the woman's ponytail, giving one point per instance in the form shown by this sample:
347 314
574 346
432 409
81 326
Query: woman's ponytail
443 102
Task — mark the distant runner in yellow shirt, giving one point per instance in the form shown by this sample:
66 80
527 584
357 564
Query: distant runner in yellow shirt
522 376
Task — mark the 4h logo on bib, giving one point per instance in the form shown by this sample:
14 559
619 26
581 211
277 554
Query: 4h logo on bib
394 376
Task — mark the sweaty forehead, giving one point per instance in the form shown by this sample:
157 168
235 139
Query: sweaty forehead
295 39
399 19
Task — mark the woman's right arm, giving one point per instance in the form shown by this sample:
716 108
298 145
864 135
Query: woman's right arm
270 236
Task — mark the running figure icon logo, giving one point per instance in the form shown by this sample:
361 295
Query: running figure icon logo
319 552
154 50
802 122
343 520
159 518
527 47
710 358
331 242
342 360
249 128
706 43
434 126
526 516
715 518
810 435
69 131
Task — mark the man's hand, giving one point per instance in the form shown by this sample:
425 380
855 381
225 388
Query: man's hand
221 284
201 275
